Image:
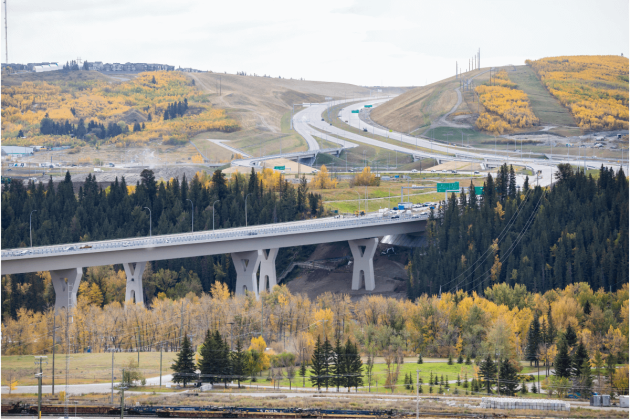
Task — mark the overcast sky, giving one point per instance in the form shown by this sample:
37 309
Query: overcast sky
366 42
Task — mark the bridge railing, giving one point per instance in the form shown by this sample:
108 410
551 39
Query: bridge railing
242 232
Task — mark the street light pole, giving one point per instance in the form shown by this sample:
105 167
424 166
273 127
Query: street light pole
213 213
150 220
246 208
192 223
29 226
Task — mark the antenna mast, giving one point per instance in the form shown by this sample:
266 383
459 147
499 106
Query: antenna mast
6 42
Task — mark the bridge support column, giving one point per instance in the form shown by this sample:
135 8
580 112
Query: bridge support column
363 267
66 283
134 282
267 269
246 266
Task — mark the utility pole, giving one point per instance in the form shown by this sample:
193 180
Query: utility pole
417 394
161 345
122 396
112 349
181 324
39 386
6 42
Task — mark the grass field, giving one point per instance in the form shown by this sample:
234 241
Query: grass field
84 368
546 108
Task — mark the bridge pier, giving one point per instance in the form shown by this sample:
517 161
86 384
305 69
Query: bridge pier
246 266
134 273
66 283
363 268
267 269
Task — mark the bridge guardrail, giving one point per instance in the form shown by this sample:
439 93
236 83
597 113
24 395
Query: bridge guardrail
118 244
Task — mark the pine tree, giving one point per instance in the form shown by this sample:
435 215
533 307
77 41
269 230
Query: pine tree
468 362
354 367
450 359
238 362
570 336
446 384
508 377
459 380
338 367
419 359
465 383
206 363
303 370
317 365
327 357
533 340
585 379
488 371
523 389
577 361
562 362
460 359
184 366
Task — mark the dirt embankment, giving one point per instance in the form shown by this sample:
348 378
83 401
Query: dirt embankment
390 273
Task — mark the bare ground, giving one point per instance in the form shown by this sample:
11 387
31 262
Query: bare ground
389 271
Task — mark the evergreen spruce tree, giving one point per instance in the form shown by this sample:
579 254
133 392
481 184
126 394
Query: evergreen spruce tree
327 358
459 380
488 371
238 362
184 366
338 367
446 384
442 380
450 359
523 389
508 378
585 380
460 359
354 367
570 336
562 362
577 360
465 383
419 359
317 365
468 362
207 363
533 340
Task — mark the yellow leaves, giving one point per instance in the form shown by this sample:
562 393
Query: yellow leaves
496 269
499 210
365 178
594 88
272 179
620 378
322 323
322 180
614 340
565 311
258 344
505 109
220 291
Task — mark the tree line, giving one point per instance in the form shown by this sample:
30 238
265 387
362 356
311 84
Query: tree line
117 211
175 109
48 126
577 231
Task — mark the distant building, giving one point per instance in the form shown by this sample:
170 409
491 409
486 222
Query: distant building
13 150
98 66
46 67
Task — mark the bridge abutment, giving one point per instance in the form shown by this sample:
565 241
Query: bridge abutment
66 283
246 266
134 273
363 268
267 269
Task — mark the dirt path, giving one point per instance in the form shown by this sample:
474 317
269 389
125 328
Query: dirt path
442 122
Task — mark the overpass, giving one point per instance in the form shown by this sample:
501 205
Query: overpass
251 248
296 156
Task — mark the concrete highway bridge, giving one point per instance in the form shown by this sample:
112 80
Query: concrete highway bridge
252 248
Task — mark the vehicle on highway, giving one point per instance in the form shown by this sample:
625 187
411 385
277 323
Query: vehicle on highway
395 216
476 172
22 252
388 251
111 165
85 246
314 171
414 171
364 129
67 249
322 119
454 171
432 171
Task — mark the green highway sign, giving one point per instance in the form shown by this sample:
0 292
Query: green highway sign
357 111
448 187
368 106
278 167
479 190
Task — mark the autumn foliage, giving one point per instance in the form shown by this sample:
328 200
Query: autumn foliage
506 108
594 88
139 99
322 179
366 178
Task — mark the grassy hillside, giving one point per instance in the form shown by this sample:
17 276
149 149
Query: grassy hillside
417 107
546 107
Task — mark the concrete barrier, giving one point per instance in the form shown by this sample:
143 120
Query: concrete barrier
509 403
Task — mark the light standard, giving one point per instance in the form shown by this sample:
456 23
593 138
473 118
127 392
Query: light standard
447 134
358 202
192 223
213 214
150 220
29 226
246 208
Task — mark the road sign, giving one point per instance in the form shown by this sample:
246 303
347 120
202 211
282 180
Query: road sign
479 190
448 187
368 106
278 167
357 111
